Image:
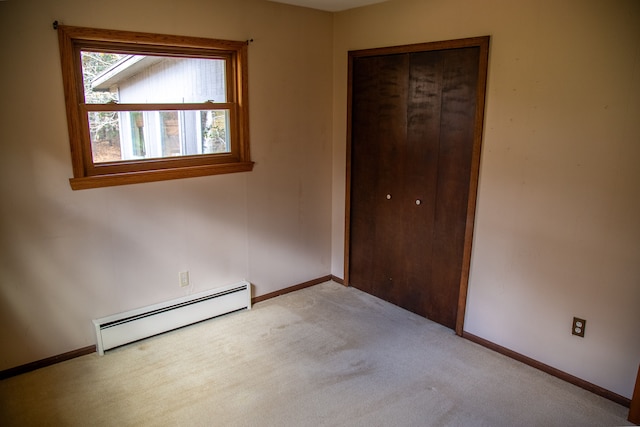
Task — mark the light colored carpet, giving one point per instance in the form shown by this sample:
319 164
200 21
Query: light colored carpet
323 356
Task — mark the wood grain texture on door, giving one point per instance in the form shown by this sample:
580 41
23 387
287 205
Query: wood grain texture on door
413 142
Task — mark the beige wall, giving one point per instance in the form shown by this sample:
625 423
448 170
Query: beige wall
557 229
69 256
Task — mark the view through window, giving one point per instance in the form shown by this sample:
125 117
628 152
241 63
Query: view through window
125 135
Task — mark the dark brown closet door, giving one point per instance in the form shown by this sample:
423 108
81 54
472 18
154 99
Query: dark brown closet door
413 122
379 117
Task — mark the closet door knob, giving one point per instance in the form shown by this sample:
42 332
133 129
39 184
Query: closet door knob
388 196
418 202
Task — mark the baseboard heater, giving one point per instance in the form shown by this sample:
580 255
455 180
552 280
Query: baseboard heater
123 328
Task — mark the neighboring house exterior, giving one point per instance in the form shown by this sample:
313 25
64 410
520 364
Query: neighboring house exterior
139 79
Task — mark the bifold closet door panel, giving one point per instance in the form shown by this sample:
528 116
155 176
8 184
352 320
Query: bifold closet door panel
378 135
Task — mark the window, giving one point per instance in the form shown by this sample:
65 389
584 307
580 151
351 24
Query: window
147 107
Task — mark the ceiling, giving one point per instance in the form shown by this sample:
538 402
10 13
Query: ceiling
330 5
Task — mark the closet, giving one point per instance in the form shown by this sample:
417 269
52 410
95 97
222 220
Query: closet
414 136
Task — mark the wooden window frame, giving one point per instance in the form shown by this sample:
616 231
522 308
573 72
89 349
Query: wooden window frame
86 173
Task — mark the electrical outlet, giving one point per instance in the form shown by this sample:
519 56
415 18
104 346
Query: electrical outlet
184 278
578 327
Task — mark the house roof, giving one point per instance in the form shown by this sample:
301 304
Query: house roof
128 66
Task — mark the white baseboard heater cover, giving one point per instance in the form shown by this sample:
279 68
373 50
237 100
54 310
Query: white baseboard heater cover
123 328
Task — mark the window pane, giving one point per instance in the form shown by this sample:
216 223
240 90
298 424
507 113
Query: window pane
170 133
214 125
95 64
138 148
104 129
134 135
139 79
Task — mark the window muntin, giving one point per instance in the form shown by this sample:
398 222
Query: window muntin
146 107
